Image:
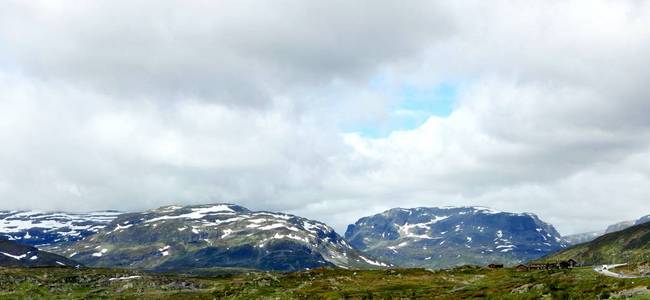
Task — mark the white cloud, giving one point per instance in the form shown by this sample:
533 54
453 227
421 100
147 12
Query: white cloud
132 105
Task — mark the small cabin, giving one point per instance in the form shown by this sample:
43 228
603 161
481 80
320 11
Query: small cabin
521 268
568 264
564 264
572 263
495 266
553 266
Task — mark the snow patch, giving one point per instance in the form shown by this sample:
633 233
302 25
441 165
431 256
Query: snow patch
197 213
372 262
16 257
124 278
100 253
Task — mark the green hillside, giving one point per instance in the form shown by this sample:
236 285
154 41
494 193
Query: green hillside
631 245
458 283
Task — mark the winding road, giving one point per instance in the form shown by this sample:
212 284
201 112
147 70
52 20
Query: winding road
605 270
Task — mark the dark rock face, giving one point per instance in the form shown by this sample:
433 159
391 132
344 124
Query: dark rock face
184 238
450 236
281 255
13 254
43 228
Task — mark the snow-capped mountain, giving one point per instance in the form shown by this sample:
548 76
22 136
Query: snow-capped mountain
45 228
450 236
642 220
580 238
13 254
190 238
619 226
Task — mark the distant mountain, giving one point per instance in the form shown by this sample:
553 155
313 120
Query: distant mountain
619 226
626 246
13 254
642 220
451 236
580 238
190 238
45 228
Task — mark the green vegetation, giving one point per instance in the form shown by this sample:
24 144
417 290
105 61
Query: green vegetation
458 283
631 245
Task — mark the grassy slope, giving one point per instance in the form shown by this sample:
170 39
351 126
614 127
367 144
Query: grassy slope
631 245
459 283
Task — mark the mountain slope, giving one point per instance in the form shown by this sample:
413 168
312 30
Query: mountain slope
46 228
13 254
580 238
628 245
450 236
176 238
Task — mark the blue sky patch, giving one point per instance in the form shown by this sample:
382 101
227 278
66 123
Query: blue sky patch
416 105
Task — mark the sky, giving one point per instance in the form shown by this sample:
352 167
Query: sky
331 110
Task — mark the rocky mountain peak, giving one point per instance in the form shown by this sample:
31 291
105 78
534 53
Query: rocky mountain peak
448 236
217 235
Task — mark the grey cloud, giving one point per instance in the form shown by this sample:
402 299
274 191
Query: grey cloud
228 52
134 105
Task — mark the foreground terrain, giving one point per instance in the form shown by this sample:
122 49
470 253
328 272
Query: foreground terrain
458 283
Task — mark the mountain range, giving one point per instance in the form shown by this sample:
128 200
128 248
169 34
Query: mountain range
580 238
38 229
203 237
451 236
214 237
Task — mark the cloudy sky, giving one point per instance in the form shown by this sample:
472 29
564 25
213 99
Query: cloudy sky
332 110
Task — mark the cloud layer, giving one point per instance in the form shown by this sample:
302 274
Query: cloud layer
111 105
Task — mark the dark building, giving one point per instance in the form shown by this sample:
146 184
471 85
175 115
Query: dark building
572 263
522 268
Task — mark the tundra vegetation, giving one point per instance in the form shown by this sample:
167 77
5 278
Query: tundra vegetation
457 283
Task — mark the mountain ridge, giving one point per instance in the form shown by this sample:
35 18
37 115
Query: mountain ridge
13 254
579 238
629 245
39 228
439 237
216 235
